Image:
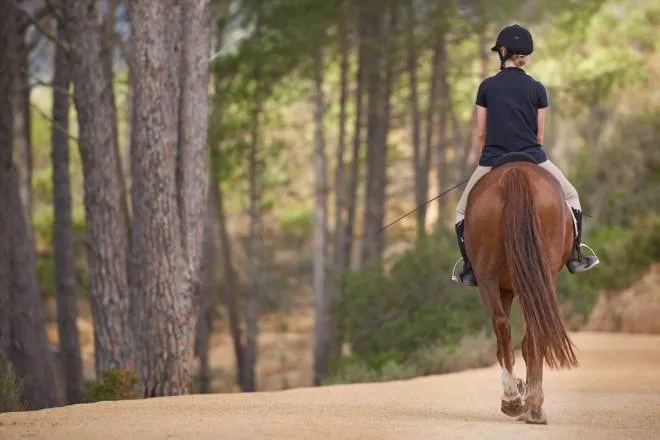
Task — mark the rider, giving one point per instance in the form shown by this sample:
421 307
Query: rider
512 105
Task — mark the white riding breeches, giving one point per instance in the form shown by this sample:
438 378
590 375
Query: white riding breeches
570 193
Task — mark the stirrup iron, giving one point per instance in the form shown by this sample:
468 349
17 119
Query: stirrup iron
592 254
453 271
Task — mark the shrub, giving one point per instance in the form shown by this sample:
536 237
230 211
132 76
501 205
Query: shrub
387 316
472 351
11 388
116 384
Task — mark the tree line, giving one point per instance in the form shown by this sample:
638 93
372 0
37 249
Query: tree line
202 79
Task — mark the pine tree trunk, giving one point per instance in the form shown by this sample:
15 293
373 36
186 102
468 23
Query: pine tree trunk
254 247
164 322
340 238
28 349
379 91
105 207
373 71
207 292
192 155
352 190
231 287
7 42
444 110
22 120
323 327
415 114
65 283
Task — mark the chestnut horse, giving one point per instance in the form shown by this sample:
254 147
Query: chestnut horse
518 236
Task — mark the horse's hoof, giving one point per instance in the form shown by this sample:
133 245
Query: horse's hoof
522 387
536 417
514 407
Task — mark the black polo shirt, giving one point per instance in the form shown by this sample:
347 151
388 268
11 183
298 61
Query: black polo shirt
512 98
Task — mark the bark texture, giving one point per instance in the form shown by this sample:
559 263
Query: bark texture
207 292
7 42
231 287
22 121
28 348
65 284
169 178
105 207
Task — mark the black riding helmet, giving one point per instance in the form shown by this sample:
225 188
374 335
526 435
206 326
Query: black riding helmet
516 39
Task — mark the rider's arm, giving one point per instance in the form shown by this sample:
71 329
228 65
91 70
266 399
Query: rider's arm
542 105
479 134
541 125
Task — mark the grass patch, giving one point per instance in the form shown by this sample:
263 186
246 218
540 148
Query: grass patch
11 388
116 384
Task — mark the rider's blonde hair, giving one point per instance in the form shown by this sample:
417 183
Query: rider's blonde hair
519 60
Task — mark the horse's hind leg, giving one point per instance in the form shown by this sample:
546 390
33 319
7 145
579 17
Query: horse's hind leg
534 400
500 305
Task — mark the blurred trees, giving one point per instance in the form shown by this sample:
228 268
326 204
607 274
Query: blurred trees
324 121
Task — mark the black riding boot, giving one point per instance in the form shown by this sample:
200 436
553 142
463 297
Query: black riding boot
576 261
466 277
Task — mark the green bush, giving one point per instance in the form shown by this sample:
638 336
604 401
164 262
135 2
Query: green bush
116 384
11 388
387 315
625 254
472 351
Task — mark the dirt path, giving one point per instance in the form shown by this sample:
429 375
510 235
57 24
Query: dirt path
615 394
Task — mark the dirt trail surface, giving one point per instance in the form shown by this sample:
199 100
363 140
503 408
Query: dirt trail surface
614 394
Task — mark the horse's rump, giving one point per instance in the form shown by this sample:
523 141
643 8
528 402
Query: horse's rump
530 268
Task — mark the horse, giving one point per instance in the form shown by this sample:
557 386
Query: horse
518 235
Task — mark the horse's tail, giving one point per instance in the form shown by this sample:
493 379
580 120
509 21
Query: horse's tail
530 275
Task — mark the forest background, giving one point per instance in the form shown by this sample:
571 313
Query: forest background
199 188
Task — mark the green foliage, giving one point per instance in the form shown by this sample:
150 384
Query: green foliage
625 254
11 388
472 351
116 384
389 316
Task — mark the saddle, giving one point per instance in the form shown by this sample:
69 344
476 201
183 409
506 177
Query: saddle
515 156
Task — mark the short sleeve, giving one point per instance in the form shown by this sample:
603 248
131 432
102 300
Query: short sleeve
542 96
481 95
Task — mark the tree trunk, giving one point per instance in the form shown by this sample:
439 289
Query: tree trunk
65 283
254 247
7 47
192 155
418 165
444 112
377 133
107 52
352 190
22 120
28 350
207 290
105 208
373 71
231 287
340 257
169 186
323 327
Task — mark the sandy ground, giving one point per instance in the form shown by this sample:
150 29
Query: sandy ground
614 394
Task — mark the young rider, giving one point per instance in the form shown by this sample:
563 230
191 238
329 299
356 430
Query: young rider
511 107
